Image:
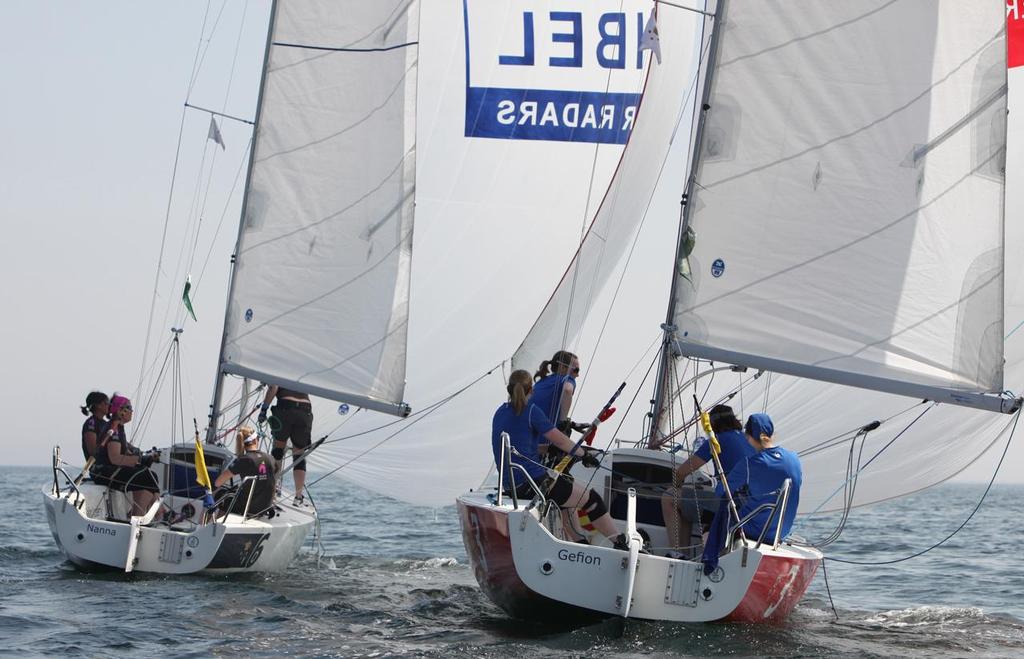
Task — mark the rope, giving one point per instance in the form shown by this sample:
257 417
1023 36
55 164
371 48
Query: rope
938 544
419 416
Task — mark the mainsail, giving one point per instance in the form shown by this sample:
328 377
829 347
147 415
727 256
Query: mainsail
848 205
320 294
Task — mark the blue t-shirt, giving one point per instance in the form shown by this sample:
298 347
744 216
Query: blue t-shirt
523 430
547 394
756 481
735 449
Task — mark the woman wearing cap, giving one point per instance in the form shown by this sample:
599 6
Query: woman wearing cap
757 480
96 407
679 505
251 462
120 465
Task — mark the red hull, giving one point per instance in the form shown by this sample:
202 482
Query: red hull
778 584
485 535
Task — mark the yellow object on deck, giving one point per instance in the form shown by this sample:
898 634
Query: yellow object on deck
202 475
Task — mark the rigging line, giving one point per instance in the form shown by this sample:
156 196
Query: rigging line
144 415
389 437
840 439
346 50
583 231
639 230
194 74
625 413
205 49
709 14
191 215
420 412
223 214
234 56
220 114
213 161
574 263
880 451
1019 325
828 590
995 473
160 257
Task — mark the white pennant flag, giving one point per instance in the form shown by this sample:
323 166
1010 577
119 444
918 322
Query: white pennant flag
214 133
650 40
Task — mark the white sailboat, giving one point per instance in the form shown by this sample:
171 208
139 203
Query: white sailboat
840 264
319 292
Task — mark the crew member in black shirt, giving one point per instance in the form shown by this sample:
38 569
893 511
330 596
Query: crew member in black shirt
253 462
292 419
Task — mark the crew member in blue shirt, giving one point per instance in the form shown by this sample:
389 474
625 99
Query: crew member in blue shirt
753 482
681 505
525 424
757 480
554 386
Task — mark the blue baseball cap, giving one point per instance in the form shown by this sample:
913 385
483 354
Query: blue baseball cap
759 424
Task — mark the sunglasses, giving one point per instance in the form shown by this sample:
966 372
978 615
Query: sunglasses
126 407
575 371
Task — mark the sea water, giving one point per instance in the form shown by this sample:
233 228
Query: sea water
394 581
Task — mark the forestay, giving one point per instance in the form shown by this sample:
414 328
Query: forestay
848 206
319 300
668 97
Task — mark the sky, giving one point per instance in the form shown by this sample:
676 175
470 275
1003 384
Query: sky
92 114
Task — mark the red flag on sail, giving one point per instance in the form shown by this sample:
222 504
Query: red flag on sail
1014 33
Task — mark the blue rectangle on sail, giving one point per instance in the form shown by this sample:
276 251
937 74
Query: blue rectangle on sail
552 115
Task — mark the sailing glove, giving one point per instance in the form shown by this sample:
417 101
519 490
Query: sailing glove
262 418
591 458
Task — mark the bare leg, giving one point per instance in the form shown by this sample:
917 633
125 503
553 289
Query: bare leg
604 523
298 474
670 513
571 531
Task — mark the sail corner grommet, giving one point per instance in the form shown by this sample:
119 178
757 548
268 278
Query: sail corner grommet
546 568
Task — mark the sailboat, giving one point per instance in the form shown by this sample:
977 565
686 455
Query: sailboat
318 295
840 263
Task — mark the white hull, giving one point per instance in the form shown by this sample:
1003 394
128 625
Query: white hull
91 526
530 572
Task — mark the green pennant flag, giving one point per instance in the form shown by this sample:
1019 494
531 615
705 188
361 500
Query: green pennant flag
185 298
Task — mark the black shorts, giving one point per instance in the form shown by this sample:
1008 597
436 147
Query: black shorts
558 490
294 423
126 479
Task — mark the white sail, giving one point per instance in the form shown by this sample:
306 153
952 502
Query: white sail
848 199
499 216
319 300
668 96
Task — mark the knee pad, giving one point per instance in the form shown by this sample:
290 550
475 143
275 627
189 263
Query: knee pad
594 507
300 465
277 453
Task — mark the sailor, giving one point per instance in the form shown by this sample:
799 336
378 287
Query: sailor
120 465
291 420
96 407
756 481
554 386
682 504
251 462
525 424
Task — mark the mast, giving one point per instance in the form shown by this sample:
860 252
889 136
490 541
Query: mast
668 349
218 381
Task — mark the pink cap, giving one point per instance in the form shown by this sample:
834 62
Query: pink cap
117 402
